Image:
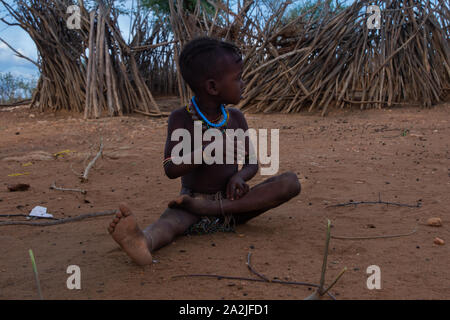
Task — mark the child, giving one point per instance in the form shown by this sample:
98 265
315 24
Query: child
213 70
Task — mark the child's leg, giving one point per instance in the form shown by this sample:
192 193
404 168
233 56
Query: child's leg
172 223
262 197
139 244
292 188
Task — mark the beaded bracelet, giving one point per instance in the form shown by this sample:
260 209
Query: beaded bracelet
166 161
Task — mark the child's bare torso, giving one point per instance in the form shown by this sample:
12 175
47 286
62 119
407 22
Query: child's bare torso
210 178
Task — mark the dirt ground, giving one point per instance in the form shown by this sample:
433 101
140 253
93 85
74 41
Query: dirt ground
400 154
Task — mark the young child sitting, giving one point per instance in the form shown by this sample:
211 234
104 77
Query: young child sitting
213 70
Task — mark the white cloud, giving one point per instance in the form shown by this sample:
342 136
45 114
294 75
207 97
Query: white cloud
9 61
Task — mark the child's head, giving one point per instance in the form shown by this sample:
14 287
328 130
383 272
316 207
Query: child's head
214 68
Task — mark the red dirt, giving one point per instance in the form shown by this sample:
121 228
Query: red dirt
345 156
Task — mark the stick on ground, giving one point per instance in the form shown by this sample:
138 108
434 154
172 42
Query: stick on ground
54 187
249 265
375 237
320 292
84 178
261 276
155 114
355 203
59 221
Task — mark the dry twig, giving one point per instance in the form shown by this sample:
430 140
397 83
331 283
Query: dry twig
321 291
59 221
375 237
355 203
84 178
318 294
219 277
54 187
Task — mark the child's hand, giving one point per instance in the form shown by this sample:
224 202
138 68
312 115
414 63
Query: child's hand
236 188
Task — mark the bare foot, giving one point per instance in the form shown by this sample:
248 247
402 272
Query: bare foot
179 202
195 205
125 231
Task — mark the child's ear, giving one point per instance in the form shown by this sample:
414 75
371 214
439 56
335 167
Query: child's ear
211 87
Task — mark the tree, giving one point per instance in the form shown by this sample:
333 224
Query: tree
163 7
313 8
15 88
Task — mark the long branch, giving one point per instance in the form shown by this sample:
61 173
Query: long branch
59 221
375 237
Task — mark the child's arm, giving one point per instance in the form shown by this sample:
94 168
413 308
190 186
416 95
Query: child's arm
173 171
237 187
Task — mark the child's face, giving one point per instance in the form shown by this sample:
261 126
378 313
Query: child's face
230 85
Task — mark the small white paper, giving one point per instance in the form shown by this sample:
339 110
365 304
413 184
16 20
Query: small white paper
39 211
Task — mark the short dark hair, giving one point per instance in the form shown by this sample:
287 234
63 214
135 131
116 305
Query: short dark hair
198 60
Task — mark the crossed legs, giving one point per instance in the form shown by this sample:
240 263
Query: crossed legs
185 211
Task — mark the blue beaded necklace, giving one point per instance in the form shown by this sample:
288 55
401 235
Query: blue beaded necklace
215 125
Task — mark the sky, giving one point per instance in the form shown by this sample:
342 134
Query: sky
20 40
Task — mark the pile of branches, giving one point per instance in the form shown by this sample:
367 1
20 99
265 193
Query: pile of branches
324 58
335 60
112 68
92 69
153 51
327 58
62 73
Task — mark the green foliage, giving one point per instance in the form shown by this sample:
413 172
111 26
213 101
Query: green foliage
15 88
162 6
308 6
